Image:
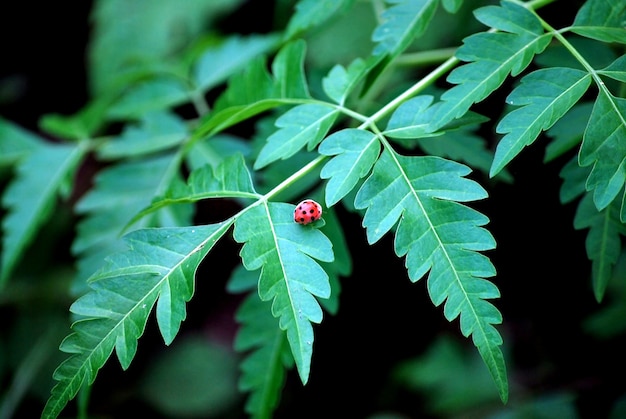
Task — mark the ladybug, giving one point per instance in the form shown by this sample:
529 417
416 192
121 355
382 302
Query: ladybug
307 212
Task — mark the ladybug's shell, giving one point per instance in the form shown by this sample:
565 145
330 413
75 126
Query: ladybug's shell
307 212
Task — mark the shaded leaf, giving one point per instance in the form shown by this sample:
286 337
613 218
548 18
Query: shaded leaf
603 242
567 132
16 142
30 197
340 81
311 13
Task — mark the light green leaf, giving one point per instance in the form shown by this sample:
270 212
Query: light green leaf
412 119
30 197
604 148
229 179
290 277
340 82
603 242
218 63
544 96
602 20
440 236
303 125
263 370
160 264
156 131
355 151
491 56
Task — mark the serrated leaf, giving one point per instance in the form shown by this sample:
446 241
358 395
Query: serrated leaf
402 22
160 265
311 13
355 151
120 192
229 179
544 96
256 91
603 242
30 197
264 368
218 63
602 20
303 125
156 131
340 81
491 57
440 236
290 277
604 148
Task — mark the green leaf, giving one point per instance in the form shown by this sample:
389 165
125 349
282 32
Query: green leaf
602 20
544 96
604 148
285 252
603 240
340 82
567 132
491 57
311 13
303 125
156 131
616 70
401 24
30 197
412 119
230 179
120 192
159 264
255 90
355 151
218 63
263 370
440 236
574 178
16 142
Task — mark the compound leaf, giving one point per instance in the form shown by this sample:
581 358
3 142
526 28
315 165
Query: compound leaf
440 236
311 13
602 20
160 264
491 57
290 277
544 96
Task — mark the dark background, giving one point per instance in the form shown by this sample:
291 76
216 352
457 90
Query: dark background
543 271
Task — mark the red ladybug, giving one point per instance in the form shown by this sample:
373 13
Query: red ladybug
307 212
